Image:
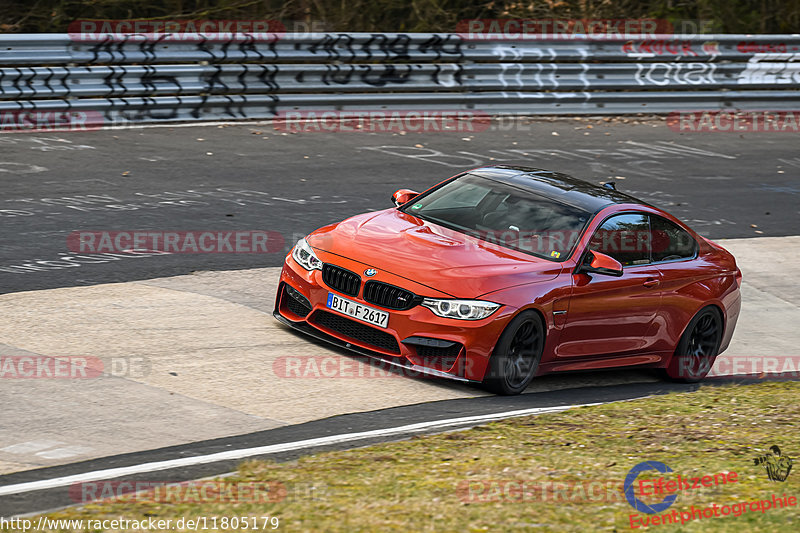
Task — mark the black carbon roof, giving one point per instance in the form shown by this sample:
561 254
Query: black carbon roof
558 186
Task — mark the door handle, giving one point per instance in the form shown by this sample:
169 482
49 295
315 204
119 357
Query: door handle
651 282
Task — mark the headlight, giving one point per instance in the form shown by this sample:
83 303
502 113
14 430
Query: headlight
461 309
305 256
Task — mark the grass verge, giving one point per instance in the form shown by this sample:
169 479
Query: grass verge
493 478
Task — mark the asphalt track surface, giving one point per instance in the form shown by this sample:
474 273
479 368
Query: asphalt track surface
22 501
252 177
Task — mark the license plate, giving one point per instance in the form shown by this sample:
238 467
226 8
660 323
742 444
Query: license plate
356 310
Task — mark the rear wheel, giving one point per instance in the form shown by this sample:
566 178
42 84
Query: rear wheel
516 356
698 347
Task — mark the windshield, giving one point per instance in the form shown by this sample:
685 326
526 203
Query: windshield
509 216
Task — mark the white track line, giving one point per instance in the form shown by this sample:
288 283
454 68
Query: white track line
113 473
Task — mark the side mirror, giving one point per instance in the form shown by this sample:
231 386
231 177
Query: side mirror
600 263
403 195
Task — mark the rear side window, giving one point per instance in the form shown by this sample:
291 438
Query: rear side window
624 237
670 242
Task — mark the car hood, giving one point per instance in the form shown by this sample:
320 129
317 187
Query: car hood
432 255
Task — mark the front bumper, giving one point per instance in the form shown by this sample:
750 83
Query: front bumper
400 363
414 339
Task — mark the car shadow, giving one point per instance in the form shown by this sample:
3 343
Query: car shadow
617 378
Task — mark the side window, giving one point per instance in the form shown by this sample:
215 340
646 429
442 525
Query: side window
625 237
671 242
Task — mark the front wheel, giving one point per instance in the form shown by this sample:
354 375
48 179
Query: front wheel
698 347
516 356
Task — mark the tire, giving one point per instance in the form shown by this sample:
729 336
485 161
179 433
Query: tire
516 356
698 348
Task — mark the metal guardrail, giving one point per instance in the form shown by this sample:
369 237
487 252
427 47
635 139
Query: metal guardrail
154 79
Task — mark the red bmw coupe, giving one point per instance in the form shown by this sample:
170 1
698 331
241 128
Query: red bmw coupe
503 273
